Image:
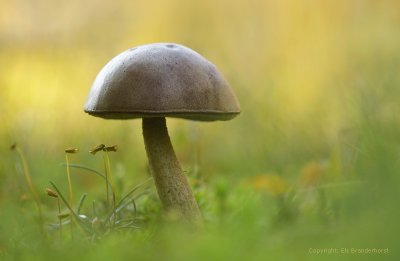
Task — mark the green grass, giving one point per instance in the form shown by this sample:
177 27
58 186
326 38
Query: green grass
338 195
355 208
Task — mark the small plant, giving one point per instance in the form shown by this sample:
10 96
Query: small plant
53 194
101 220
100 223
71 198
28 179
107 170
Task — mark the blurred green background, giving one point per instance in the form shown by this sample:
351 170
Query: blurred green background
319 87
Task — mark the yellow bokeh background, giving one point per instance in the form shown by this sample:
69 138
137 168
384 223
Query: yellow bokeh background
294 65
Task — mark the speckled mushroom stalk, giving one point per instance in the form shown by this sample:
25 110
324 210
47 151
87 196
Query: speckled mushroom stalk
172 186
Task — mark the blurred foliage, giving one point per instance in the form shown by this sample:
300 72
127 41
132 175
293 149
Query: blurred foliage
312 161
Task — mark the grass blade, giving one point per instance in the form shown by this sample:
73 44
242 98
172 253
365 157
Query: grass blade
132 191
81 200
78 166
68 206
127 203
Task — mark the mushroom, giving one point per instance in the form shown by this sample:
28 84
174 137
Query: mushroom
161 80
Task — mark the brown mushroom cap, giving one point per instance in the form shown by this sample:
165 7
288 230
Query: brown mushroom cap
161 80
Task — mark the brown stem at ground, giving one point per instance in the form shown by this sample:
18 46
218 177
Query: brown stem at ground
172 186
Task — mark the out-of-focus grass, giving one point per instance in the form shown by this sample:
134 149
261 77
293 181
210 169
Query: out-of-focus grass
318 84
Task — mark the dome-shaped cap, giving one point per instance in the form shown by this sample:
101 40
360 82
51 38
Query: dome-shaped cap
161 80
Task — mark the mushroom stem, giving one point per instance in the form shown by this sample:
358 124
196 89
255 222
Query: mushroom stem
172 186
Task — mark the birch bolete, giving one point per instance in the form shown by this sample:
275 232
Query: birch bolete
161 80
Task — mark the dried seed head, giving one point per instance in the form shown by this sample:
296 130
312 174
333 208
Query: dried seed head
63 216
72 150
97 148
111 148
51 193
